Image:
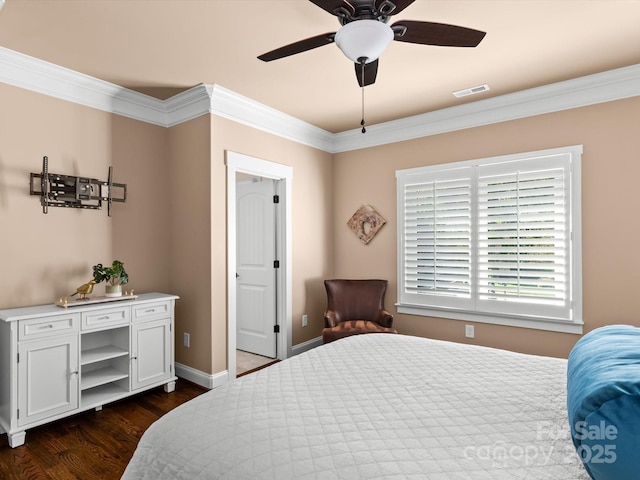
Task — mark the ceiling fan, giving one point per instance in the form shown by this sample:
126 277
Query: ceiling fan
365 34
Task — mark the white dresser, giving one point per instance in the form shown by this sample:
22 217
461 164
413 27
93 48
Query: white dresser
56 362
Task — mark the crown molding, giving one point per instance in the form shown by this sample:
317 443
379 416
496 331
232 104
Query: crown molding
233 106
46 78
188 105
580 92
53 80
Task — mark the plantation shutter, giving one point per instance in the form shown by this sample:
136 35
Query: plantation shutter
523 237
437 238
493 240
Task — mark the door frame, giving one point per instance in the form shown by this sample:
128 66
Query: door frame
283 174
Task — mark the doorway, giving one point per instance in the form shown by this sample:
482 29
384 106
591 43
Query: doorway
276 178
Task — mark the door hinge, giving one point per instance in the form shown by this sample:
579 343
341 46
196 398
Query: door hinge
18 415
276 199
18 358
276 264
276 329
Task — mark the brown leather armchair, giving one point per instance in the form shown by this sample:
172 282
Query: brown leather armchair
355 307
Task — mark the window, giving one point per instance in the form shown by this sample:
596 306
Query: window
493 240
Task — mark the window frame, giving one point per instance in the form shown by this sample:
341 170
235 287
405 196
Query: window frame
534 315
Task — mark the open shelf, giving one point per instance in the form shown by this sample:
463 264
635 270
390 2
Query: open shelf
102 353
103 394
101 376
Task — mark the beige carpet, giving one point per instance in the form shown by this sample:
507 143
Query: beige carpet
246 361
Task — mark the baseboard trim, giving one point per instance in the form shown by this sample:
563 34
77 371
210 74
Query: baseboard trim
305 346
201 378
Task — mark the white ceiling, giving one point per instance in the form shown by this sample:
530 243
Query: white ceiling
161 47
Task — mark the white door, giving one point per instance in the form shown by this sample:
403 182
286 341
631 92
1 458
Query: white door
256 276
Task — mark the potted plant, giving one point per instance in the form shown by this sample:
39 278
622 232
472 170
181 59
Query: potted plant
115 276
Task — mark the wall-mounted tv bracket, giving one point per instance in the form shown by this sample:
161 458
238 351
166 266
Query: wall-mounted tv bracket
75 192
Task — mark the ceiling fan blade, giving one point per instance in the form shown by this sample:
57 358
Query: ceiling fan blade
441 34
339 8
370 73
386 7
299 47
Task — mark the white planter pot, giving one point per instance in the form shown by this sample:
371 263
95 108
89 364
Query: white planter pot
113 291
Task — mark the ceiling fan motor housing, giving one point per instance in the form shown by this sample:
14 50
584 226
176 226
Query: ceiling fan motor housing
364 10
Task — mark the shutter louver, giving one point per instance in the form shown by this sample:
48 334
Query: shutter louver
438 237
522 237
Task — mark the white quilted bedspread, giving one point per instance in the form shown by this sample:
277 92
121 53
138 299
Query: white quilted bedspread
373 406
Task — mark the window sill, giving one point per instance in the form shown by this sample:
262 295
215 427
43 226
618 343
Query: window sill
538 323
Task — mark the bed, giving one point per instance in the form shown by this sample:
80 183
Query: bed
374 406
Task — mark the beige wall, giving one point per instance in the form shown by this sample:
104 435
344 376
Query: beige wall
190 237
610 220
142 225
46 256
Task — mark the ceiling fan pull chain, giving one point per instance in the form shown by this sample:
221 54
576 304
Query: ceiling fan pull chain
362 122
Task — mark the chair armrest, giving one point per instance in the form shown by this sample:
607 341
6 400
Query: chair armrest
385 319
330 319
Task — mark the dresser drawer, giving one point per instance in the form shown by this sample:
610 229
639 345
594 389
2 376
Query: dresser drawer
48 326
105 318
149 311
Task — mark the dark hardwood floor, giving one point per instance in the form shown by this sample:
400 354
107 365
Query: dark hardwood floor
91 445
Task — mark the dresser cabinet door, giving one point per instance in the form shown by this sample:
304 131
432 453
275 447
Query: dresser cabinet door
47 378
151 352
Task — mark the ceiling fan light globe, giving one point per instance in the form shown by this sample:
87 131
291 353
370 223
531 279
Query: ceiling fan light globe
364 39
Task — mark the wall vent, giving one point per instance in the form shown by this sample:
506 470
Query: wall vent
471 91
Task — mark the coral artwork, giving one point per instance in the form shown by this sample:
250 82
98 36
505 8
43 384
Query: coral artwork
366 223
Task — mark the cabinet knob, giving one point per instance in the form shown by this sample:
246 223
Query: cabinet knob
151 310
75 373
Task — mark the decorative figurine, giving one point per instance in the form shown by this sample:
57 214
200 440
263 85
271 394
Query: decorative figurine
365 223
85 289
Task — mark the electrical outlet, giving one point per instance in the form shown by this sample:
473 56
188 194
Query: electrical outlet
305 320
187 340
469 331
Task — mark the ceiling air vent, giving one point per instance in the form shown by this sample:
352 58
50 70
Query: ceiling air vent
471 91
